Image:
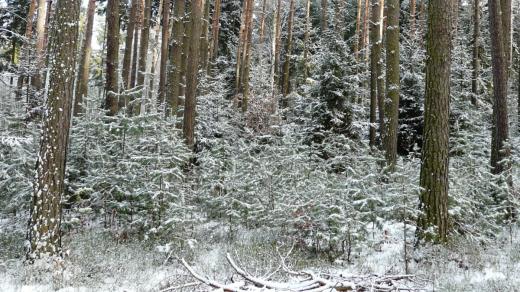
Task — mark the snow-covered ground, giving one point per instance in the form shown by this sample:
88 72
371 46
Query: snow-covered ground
96 262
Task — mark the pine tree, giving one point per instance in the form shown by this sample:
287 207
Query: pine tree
112 60
129 40
84 61
191 73
476 55
434 160
375 72
176 54
392 83
164 50
44 225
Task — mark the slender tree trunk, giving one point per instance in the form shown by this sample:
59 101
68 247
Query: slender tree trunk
375 74
324 15
84 62
262 21
306 39
186 47
434 166
13 58
204 40
143 52
112 61
412 16
392 84
44 232
240 49
174 76
359 39
164 51
150 78
364 43
127 59
191 73
247 56
506 14
500 152
25 50
215 28
40 44
476 57
135 51
276 48
288 52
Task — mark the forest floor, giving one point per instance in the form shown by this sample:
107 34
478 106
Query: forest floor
98 262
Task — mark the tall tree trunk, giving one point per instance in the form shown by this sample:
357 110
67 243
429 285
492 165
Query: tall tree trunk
500 152
476 57
247 56
262 21
25 50
277 35
288 52
324 15
84 61
112 61
240 48
506 14
392 84
44 232
40 44
359 40
135 51
306 39
215 28
204 40
434 160
364 43
164 50
143 52
191 73
127 59
176 52
150 78
375 58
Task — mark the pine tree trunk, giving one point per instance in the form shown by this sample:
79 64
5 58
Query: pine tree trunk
44 232
247 56
40 44
358 40
240 49
135 51
262 21
375 58
191 73
476 57
506 13
186 47
364 43
277 35
204 41
143 52
84 61
215 29
306 39
324 15
288 52
127 59
434 166
500 152
392 84
112 61
25 50
164 51
176 52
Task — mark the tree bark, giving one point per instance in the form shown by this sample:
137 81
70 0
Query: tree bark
127 59
434 166
364 43
191 73
476 57
25 50
500 152
164 50
176 52
44 232
324 15
392 84
135 51
84 61
276 48
306 39
215 29
143 52
112 61
204 41
40 44
247 56
288 52
262 21
375 74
